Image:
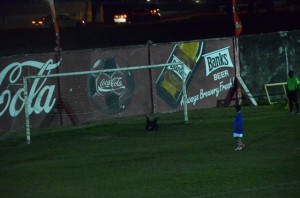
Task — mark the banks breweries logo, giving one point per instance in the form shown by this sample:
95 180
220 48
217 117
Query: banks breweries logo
110 91
217 59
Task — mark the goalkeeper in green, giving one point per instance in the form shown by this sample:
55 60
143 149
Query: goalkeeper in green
292 92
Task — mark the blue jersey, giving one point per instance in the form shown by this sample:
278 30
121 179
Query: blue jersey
238 125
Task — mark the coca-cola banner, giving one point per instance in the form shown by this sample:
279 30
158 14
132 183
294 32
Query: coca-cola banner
208 66
12 93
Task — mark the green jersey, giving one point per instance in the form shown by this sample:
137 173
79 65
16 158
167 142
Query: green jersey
292 83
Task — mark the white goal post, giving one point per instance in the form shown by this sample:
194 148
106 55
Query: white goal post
28 96
283 84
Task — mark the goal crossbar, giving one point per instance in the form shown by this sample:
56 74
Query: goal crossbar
103 71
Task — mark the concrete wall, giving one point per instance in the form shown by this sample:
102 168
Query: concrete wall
267 58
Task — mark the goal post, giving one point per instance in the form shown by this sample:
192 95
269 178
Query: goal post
27 121
281 84
85 81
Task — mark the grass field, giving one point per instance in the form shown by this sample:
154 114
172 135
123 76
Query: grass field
121 159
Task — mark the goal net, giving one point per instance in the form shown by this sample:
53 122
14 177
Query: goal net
275 92
106 91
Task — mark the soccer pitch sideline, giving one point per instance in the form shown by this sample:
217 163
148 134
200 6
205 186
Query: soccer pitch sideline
121 159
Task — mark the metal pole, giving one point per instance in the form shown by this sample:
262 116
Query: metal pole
184 96
149 43
27 121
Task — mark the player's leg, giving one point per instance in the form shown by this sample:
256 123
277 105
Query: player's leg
238 143
290 98
296 102
241 144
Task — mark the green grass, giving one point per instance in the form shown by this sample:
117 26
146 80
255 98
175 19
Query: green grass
120 159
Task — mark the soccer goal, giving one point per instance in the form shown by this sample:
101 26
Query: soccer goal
106 91
274 91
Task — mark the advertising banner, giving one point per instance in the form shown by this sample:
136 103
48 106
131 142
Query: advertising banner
208 66
107 95
43 93
76 99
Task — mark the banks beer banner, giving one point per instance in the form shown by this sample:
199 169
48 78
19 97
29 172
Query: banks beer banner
55 24
169 82
236 19
209 69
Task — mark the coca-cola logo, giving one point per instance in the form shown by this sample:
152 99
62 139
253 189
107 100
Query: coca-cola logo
112 83
40 94
111 91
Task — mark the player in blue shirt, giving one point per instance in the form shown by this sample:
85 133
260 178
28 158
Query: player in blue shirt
238 130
